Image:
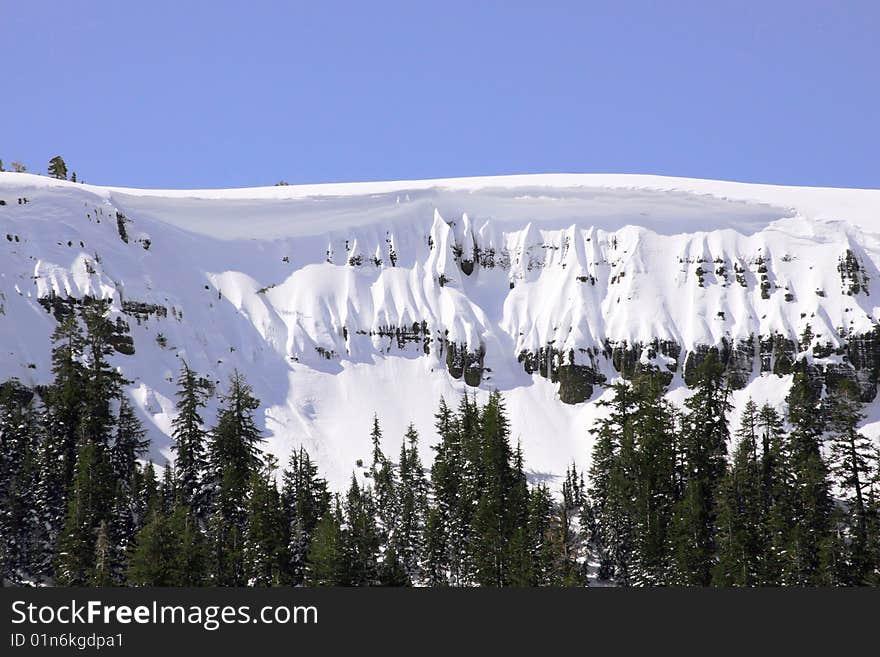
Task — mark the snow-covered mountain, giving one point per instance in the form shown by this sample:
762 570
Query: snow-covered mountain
338 301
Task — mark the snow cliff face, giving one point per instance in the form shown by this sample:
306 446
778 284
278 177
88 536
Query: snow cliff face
338 301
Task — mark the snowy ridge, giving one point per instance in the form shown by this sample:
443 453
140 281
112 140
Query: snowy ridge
338 301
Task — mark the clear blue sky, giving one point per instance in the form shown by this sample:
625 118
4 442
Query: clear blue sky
177 93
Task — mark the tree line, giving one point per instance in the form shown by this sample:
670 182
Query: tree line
798 503
662 503
57 168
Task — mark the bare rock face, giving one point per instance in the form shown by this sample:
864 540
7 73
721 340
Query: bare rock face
464 363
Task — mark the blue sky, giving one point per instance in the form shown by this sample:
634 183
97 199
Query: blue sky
215 94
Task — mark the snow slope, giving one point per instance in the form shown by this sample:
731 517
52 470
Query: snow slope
339 301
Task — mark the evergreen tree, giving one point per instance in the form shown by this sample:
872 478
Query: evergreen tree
852 464
408 540
103 574
776 482
436 566
64 410
362 536
542 569
305 500
384 487
88 507
21 539
810 498
233 459
154 559
102 382
57 168
328 558
655 487
611 492
129 443
191 558
740 513
189 438
492 522
265 549
705 443
447 533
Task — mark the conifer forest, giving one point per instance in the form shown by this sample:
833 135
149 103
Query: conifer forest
674 496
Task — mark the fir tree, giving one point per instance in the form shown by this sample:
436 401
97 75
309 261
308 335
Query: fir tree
233 459
190 437
492 519
21 539
852 464
447 532
611 492
408 539
776 482
265 549
64 410
655 487
57 168
154 559
129 443
362 536
811 505
103 575
542 567
436 566
328 559
191 558
384 486
89 505
102 382
740 513
705 443
305 500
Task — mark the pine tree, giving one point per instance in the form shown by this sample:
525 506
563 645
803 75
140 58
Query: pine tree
233 459
265 548
611 492
384 487
102 574
776 482
407 542
129 443
740 511
542 569
809 493
305 500
447 533
64 410
190 438
328 560
705 442
565 534
492 520
89 505
22 542
154 559
520 554
363 535
57 168
852 464
191 558
102 382
656 491
436 567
